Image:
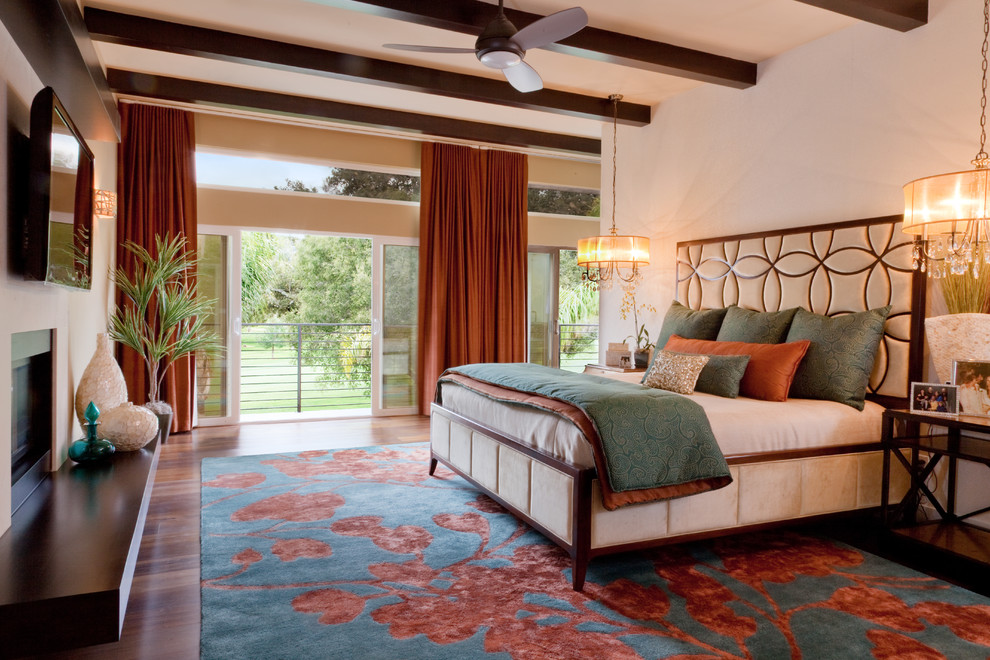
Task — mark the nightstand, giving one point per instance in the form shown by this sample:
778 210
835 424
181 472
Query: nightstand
612 372
951 532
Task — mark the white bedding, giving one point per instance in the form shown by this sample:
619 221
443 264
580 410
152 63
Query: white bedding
741 426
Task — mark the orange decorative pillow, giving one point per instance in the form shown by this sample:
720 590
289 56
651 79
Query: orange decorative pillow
770 370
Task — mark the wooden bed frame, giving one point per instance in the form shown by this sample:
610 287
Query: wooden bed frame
767 271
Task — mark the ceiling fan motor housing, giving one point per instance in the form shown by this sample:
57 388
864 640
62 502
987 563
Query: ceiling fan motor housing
495 47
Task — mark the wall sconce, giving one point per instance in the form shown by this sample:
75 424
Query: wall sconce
105 204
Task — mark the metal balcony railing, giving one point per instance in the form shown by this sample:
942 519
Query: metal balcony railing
578 345
297 367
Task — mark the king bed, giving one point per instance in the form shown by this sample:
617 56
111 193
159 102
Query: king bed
798 459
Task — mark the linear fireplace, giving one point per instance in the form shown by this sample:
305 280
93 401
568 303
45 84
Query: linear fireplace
33 411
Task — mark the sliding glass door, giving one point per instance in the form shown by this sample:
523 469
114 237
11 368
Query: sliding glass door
562 311
394 326
219 278
278 367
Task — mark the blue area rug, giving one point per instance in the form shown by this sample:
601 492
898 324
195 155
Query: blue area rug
358 553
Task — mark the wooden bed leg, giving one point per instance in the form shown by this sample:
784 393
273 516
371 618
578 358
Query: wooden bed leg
581 548
433 465
579 568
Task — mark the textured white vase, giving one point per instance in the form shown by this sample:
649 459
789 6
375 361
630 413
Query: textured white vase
128 427
102 381
957 337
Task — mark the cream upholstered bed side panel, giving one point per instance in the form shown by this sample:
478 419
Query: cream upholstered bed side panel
759 493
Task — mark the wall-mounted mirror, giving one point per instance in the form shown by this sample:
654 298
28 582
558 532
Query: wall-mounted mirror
57 237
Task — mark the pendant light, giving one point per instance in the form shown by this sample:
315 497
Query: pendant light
948 212
604 257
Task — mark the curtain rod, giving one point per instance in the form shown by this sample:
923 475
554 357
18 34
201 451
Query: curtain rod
328 125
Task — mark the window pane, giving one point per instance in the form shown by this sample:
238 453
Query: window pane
540 308
562 201
578 313
212 394
401 291
267 174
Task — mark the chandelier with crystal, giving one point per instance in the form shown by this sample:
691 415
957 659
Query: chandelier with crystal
605 257
948 212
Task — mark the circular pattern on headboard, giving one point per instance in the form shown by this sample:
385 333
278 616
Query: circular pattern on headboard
827 269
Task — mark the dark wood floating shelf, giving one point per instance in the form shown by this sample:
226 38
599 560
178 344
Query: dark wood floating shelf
67 561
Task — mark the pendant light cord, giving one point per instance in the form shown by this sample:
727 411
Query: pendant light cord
982 160
615 98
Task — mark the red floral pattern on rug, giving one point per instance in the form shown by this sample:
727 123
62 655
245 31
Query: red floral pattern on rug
390 562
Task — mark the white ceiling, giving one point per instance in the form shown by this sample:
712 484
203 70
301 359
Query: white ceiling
751 30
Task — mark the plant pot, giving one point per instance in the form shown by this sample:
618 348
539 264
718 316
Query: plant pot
164 426
957 337
164 413
641 359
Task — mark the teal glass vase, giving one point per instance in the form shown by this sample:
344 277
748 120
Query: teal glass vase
91 450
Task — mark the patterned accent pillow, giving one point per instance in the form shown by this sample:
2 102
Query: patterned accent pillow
690 323
770 370
675 372
840 358
722 375
755 327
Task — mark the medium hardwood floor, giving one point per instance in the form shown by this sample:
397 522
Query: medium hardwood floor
162 618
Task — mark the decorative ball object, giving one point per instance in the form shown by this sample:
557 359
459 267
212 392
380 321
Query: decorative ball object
129 427
92 450
102 381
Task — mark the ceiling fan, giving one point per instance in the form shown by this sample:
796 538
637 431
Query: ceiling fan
501 46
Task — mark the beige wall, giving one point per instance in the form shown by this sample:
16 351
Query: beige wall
76 316
831 132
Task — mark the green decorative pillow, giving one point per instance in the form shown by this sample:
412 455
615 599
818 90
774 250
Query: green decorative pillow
722 374
689 323
675 372
755 327
840 358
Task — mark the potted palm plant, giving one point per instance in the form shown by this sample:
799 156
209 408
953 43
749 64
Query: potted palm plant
964 332
162 316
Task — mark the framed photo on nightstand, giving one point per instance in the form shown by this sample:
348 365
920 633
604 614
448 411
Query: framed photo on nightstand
972 377
935 398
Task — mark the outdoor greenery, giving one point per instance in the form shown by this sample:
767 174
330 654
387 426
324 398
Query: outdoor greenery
312 280
361 183
577 304
564 202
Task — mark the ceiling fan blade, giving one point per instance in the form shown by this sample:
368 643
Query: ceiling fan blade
523 77
551 28
428 49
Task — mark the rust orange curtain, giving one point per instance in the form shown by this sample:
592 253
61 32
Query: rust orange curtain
156 188
473 257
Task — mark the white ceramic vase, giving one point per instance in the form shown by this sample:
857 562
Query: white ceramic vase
128 427
102 381
957 337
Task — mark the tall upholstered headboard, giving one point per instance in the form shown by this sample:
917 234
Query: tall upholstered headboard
828 269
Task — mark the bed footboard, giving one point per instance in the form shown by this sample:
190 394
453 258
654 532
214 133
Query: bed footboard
563 502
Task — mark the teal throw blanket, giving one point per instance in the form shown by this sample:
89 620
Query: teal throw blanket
649 437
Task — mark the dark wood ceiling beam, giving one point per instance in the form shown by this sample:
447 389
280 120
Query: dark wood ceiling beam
902 15
139 32
471 16
208 94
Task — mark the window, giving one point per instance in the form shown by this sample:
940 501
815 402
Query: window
244 172
564 201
